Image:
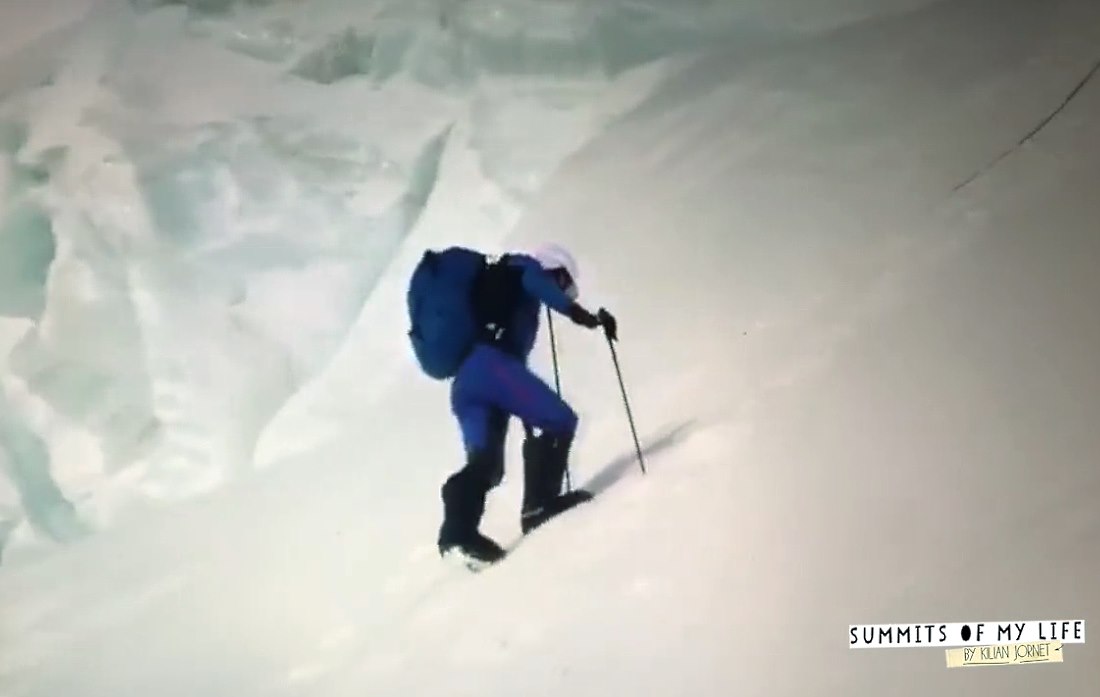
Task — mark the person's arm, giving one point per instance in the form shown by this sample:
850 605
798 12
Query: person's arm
540 284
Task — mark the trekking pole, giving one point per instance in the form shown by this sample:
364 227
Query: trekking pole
626 402
553 350
557 380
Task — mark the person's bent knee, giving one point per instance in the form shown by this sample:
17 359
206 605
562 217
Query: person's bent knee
564 424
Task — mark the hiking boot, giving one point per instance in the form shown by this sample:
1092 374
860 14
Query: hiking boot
464 496
531 519
545 459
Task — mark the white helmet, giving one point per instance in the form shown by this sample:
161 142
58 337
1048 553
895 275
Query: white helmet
553 257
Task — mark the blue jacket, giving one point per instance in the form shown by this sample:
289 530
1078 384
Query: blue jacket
536 288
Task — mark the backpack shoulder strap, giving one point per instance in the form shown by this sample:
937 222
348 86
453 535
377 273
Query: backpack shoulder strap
496 294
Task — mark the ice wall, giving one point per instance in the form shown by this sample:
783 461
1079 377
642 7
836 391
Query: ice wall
198 197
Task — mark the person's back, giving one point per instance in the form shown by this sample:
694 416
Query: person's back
510 297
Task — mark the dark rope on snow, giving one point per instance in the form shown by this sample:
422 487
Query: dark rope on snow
1035 131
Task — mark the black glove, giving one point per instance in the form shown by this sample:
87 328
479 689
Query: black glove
583 317
610 326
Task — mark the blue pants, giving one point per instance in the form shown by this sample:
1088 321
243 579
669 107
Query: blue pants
489 389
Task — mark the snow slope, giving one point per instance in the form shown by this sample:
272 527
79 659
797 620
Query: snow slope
859 341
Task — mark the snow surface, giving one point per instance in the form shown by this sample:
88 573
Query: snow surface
853 248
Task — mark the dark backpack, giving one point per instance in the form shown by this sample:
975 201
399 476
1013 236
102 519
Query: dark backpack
444 324
456 298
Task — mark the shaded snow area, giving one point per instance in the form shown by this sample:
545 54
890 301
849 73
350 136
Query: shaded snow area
853 251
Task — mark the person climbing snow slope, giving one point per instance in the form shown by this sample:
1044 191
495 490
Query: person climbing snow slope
475 320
